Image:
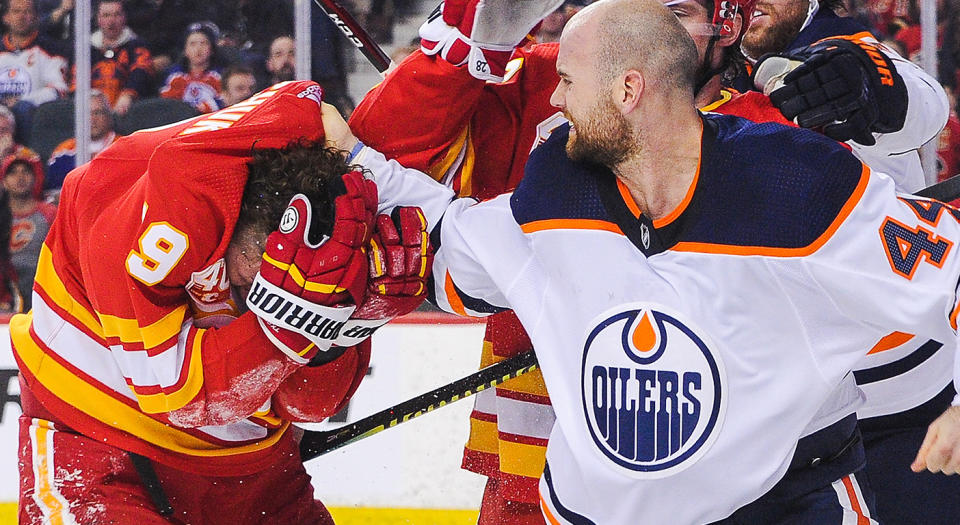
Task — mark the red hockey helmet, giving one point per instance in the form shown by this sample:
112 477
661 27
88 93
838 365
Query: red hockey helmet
725 12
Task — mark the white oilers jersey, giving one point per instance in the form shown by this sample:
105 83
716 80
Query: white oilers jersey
903 370
32 74
686 356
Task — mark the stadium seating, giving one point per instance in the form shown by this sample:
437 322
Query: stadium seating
52 124
153 112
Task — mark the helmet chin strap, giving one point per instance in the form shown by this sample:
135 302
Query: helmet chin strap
706 71
812 8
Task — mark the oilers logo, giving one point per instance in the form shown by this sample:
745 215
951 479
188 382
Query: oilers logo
15 81
654 390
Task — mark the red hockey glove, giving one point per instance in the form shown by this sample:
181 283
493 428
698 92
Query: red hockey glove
482 33
300 282
401 258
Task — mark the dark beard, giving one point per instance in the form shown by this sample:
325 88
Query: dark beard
285 73
776 38
605 139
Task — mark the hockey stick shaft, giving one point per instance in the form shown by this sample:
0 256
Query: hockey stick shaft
946 190
316 443
356 34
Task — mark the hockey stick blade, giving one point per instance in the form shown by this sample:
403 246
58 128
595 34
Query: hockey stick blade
946 190
317 443
356 34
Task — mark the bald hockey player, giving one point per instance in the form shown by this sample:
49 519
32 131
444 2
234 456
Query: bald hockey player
695 221
509 427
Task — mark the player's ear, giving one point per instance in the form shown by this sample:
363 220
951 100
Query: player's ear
628 91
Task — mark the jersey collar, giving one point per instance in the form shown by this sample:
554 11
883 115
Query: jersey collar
654 236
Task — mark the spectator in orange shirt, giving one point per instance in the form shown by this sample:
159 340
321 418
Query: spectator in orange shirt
195 78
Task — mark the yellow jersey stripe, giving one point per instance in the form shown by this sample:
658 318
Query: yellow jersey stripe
151 336
483 436
522 459
53 286
45 494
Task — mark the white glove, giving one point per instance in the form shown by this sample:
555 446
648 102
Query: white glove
481 33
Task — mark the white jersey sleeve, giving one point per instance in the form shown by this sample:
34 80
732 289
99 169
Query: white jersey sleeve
470 275
893 266
927 111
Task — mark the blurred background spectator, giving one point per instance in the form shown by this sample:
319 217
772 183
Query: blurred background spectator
31 218
282 60
161 25
63 158
238 83
32 69
195 77
948 149
11 300
121 66
56 20
8 142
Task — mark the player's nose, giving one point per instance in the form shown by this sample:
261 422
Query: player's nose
556 98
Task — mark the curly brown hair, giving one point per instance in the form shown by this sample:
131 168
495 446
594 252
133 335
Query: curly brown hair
276 175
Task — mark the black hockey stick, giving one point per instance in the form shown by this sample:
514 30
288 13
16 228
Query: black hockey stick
945 191
317 443
355 33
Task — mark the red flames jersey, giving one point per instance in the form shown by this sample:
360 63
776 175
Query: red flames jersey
120 345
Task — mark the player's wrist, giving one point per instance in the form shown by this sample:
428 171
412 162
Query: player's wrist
355 150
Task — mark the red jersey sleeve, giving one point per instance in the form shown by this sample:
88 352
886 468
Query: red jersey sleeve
472 135
419 114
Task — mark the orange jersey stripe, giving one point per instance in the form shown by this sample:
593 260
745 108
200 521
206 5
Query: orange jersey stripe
571 224
889 341
702 247
455 303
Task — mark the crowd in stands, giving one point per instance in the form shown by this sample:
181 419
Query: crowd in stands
207 55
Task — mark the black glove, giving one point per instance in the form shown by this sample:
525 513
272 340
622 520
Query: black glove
851 89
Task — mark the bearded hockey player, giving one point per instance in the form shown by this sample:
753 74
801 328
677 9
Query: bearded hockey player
695 215
185 314
509 427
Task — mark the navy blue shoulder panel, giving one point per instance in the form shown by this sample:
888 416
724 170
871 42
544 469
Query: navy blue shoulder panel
826 24
769 185
555 187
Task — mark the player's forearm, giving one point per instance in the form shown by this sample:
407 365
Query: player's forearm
401 186
314 393
241 369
